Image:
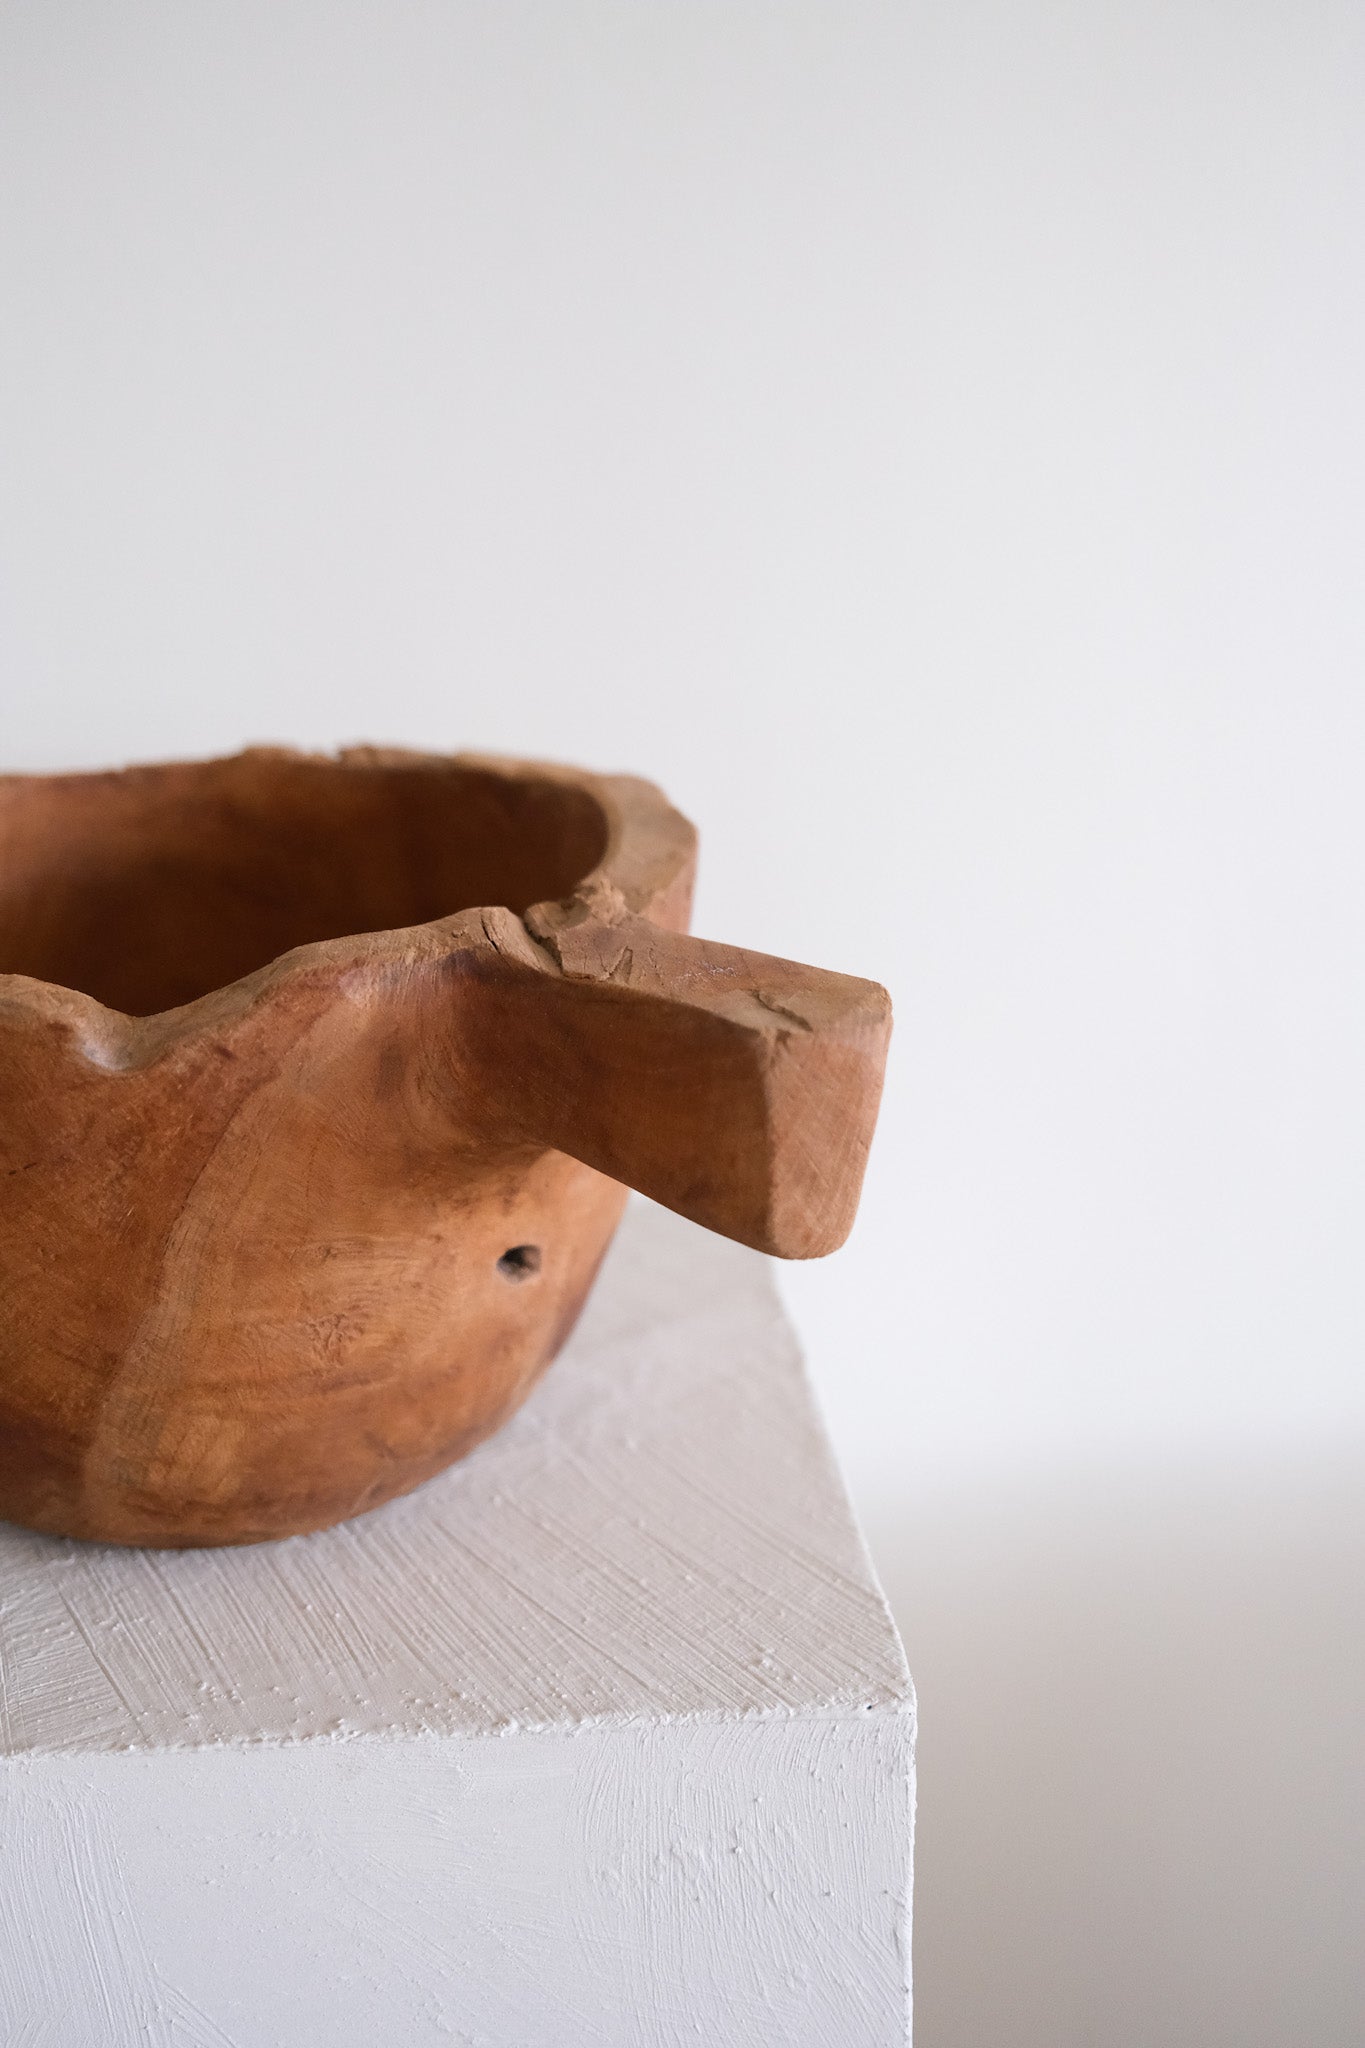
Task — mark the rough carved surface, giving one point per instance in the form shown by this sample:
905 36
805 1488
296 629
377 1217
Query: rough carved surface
321 1084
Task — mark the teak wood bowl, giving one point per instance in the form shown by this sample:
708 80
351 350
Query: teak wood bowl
322 1081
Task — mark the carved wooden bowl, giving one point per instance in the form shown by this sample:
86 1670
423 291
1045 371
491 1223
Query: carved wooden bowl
321 1085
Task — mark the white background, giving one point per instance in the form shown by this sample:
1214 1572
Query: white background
930 442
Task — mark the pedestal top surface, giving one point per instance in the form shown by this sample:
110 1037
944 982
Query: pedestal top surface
661 1531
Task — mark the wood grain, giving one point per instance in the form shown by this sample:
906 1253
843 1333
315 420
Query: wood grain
322 1081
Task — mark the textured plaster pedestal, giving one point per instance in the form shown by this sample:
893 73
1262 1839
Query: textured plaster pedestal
604 1737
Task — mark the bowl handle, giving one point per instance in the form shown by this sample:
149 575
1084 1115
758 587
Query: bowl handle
738 1089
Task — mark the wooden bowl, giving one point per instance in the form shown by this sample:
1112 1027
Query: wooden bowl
322 1081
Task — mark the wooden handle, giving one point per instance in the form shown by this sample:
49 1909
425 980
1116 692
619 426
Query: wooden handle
737 1089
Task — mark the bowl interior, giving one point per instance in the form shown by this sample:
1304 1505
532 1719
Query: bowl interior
149 888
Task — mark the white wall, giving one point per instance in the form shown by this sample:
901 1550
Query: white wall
931 443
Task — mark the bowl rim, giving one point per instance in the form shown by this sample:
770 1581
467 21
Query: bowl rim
647 869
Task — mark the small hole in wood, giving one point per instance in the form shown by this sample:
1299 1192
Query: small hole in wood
520 1262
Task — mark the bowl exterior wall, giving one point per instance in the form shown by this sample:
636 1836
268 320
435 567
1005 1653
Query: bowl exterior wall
282 1349
258 1298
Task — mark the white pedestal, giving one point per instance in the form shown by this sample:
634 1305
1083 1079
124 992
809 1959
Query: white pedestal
604 1737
